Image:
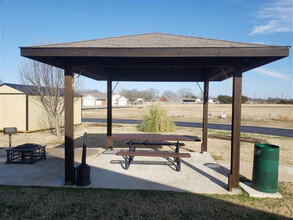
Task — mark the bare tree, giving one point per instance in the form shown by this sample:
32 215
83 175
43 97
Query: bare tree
169 94
147 95
46 83
185 93
151 94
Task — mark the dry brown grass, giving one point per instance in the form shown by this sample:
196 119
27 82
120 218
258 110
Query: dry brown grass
285 118
259 115
97 139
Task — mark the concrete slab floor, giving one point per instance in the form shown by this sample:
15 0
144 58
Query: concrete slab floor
285 171
199 174
257 194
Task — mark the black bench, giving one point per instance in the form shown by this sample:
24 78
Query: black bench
129 155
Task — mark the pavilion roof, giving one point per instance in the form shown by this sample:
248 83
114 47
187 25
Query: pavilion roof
156 57
152 40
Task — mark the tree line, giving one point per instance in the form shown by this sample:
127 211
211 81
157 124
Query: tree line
225 99
228 100
153 94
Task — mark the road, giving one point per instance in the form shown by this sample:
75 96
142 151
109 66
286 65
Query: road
244 128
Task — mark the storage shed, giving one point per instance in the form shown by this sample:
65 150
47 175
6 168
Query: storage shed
19 108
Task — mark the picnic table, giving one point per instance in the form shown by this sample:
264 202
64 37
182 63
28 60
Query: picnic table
153 140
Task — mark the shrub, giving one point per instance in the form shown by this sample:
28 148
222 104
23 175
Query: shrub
157 121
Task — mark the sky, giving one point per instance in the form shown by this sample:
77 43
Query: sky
28 22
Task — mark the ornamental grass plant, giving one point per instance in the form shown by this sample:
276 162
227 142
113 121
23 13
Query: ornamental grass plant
157 121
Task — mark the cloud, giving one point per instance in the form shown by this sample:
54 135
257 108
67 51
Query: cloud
271 73
277 17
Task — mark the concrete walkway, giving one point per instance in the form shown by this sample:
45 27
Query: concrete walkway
199 174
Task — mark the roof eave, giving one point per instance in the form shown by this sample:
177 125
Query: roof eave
271 51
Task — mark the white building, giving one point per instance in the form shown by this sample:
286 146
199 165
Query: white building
100 99
118 100
88 100
198 101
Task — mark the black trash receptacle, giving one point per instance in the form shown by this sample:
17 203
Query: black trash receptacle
83 171
265 168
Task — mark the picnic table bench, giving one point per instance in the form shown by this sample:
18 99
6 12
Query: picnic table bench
153 140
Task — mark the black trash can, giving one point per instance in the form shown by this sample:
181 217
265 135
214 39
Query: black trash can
83 171
265 168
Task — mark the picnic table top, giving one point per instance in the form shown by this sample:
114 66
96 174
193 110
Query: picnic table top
155 137
25 147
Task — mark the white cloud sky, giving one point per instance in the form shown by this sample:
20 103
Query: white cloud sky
274 17
271 73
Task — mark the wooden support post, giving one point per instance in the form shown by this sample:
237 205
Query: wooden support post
235 135
69 136
204 144
109 114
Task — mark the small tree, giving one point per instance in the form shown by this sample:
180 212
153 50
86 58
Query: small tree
157 121
46 83
225 99
244 99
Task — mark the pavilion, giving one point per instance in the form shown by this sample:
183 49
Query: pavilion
159 58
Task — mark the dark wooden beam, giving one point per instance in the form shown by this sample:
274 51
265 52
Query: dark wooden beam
204 145
135 73
109 114
156 52
69 136
216 75
235 135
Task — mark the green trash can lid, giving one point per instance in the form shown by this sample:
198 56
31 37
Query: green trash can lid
267 147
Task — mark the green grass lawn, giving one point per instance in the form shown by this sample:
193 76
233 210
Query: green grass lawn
77 203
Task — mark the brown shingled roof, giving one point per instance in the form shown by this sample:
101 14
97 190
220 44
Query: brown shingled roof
152 40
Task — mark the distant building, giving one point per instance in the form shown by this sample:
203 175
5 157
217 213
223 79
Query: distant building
198 101
88 100
251 102
162 99
100 99
94 99
211 101
169 98
137 101
21 108
188 100
119 100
